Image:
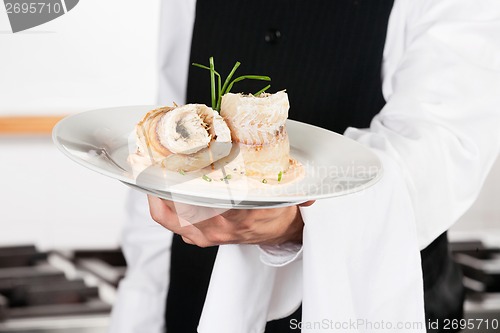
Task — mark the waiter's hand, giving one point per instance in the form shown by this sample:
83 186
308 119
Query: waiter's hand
209 226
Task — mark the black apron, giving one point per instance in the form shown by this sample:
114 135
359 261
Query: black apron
327 55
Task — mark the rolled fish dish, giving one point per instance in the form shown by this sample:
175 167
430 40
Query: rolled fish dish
183 138
258 125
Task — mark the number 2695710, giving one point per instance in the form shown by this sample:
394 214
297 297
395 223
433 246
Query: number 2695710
33 7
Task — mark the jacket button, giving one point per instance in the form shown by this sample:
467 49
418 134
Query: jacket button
272 36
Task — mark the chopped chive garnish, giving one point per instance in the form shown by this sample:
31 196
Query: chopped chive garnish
206 178
218 90
182 172
264 181
280 175
226 177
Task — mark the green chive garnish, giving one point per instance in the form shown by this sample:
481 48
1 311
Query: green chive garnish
262 90
226 177
264 181
280 175
182 172
227 81
213 73
206 178
217 90
244 77
212 81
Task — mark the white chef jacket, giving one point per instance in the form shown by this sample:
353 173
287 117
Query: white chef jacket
437 137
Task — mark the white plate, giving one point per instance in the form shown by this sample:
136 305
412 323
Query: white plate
213 203
334 165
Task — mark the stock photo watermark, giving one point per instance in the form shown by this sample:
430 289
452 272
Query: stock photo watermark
26 14
398 326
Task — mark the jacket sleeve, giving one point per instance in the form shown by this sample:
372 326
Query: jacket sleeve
140 304
441 122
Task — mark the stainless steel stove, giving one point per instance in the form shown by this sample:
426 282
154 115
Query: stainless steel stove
481 267
72 291
57 291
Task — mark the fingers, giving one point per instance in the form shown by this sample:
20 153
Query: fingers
204 226
187 240
164 213
307 203
167 212
158 210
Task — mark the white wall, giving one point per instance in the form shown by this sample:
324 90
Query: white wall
100 54
51 201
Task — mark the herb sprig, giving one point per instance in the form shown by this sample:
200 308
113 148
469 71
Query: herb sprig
217 90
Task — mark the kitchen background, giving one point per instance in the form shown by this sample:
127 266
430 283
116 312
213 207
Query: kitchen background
103 54
100 54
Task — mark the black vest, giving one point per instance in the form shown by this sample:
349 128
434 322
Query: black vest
327 54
